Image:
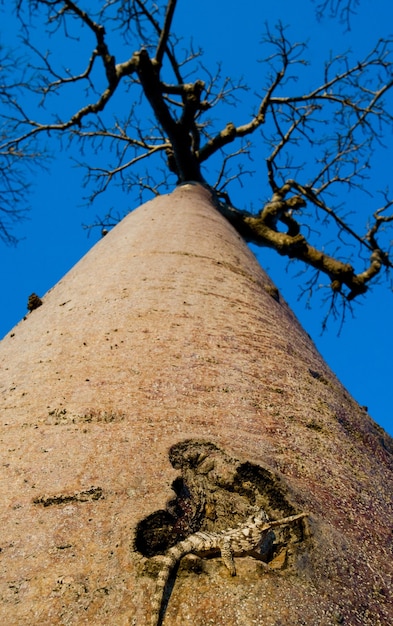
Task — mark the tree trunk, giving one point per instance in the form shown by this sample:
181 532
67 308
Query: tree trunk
166 358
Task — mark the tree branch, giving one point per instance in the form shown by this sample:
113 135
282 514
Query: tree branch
334 126
165 32
262 230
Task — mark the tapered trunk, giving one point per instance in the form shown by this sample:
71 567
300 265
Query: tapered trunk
165 355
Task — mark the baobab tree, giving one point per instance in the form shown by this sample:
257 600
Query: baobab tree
339 120
163 396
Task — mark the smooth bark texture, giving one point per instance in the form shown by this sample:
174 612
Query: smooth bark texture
168 330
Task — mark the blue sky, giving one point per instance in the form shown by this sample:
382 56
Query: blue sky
52 239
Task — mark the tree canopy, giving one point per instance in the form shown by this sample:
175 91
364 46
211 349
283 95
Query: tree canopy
135 96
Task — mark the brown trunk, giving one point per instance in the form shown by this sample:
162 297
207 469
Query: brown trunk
167 331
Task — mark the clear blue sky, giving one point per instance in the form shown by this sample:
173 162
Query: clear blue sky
52 240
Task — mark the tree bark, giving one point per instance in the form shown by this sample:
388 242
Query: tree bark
168 338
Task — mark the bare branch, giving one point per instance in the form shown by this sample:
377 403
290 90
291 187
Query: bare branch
311 142
162 46
164 35
343 9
